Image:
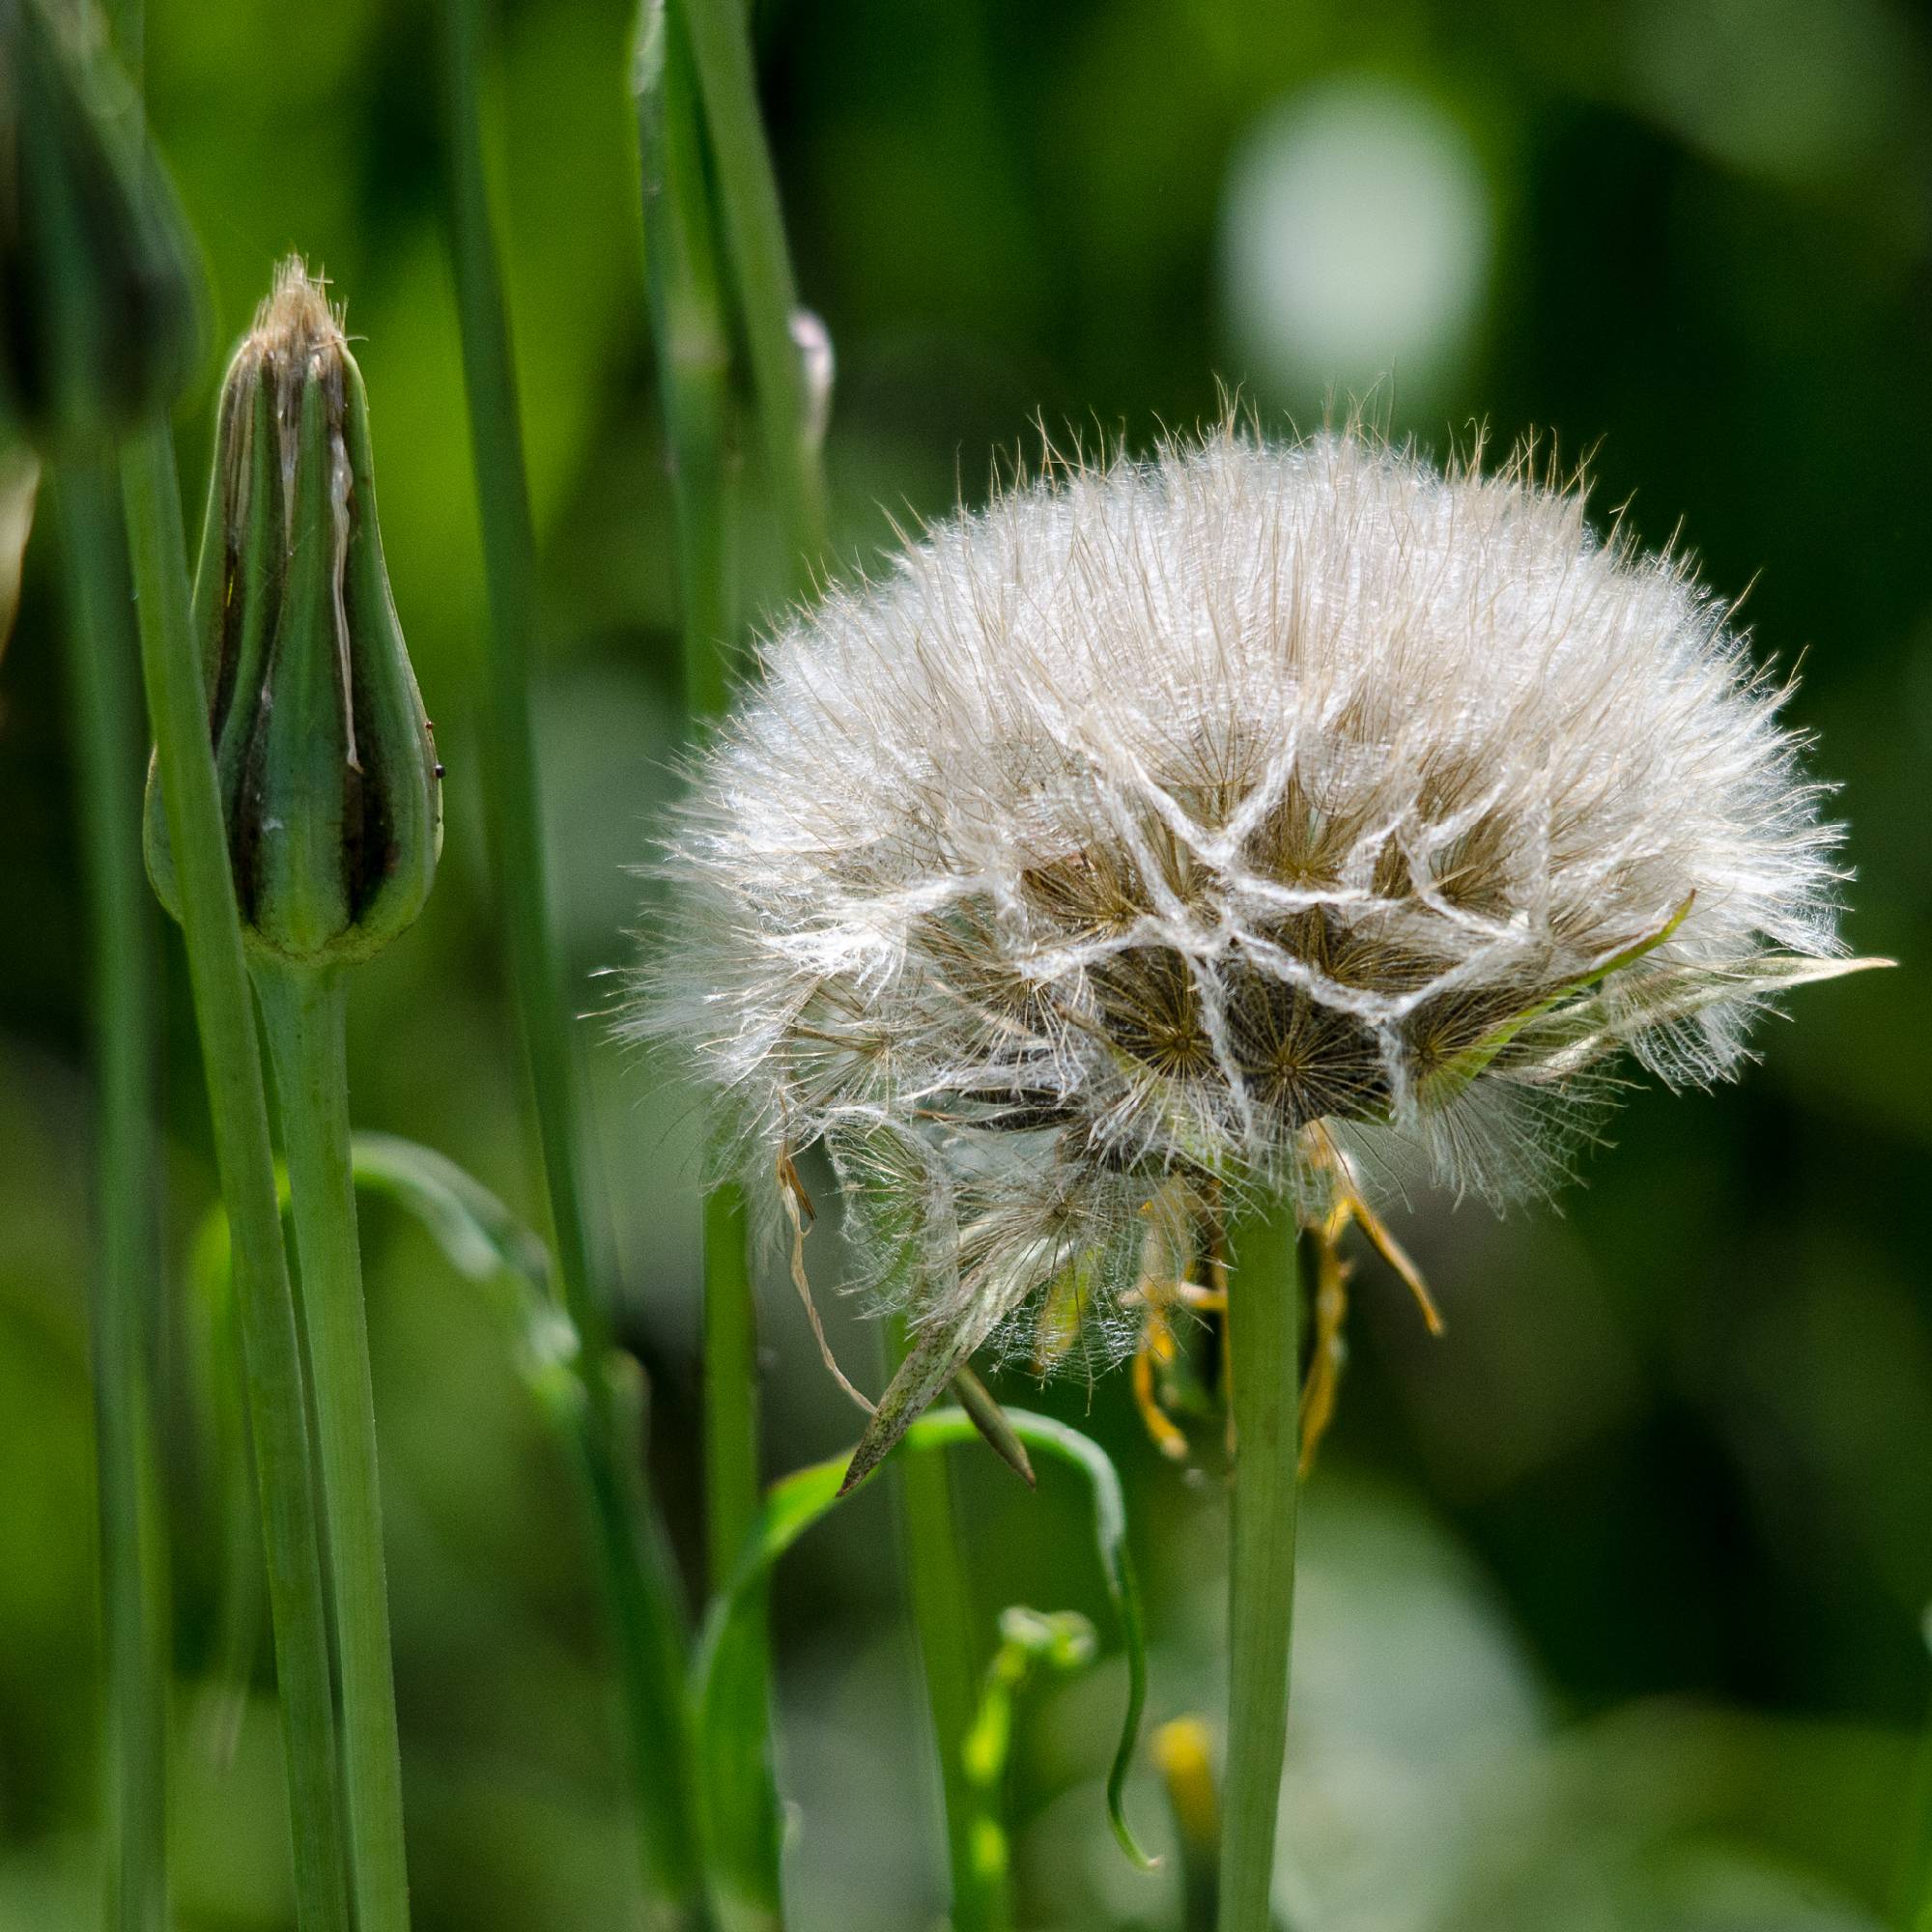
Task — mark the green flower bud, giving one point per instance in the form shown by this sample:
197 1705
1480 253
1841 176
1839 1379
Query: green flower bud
102 317
329 784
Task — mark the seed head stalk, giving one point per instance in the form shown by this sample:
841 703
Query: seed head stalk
1263 1389
127 1266
277 1403
646 1617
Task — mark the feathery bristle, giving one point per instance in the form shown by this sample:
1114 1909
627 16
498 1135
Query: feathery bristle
1129 826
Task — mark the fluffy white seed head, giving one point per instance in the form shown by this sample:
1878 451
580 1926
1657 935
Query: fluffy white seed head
1122 830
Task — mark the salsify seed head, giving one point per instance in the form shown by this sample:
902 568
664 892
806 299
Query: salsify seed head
1164 820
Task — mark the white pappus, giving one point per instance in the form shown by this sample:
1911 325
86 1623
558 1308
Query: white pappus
1228 818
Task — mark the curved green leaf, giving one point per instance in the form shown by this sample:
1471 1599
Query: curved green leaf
480 1238
733 1774
485 1243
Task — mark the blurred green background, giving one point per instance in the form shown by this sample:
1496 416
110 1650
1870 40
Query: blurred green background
1612 1602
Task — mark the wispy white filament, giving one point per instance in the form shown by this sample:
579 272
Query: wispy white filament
1123 829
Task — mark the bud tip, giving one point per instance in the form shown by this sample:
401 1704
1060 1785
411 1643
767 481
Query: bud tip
296 314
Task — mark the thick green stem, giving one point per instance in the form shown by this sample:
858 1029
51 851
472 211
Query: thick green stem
126 1274
942 1612
647 1619
303 1017
730 1383
721 46
178 709
1264 1312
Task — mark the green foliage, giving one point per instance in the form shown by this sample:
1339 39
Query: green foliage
104 317
1645 1530
741 1829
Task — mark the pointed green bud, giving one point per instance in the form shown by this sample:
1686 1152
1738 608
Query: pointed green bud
102 316
329 784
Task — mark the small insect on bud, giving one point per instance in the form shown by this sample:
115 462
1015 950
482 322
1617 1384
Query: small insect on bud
101 318
328 769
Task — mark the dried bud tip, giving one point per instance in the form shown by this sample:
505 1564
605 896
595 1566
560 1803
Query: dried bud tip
295 318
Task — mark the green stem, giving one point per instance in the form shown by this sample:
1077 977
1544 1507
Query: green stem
647 1619
103 653
1263 1311
510 577
303 1017
692 343
720 47
730 1383
691 335
178 708
639 1575
942 1612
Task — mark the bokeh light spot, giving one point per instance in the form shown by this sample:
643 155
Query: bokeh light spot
1356 239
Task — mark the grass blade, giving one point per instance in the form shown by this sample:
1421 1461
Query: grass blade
729 1800
753 226
646 1618
691 336
103 654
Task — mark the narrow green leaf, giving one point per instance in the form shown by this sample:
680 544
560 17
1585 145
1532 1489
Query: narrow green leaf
1596 1028
478 1236
735 1819
1450 1079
